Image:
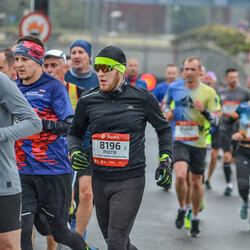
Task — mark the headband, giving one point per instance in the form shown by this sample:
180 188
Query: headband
111 62
31 50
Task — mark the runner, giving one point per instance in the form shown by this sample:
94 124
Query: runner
132 70
213 133
12 103
42 160
7 63
171 74
81 75
56 65
117 113
242 114
193 103
230 97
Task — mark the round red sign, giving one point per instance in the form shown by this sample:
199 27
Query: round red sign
37 24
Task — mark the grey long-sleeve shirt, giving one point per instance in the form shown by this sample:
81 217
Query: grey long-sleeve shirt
13 105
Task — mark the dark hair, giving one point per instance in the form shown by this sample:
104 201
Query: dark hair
31 39
9 55
230 70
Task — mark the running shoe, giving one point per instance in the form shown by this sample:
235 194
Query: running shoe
228 191
187 219
202 204
243 210
207 185
179 222
195 228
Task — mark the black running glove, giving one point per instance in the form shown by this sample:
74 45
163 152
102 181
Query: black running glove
79 161
164 171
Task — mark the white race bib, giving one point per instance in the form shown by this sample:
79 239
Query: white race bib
228 107
111 149
186 131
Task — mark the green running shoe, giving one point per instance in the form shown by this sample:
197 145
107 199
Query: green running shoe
187 219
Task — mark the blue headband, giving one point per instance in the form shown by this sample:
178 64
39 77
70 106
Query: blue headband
82 43
31 50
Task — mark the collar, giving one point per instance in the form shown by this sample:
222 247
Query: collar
77 74
120 89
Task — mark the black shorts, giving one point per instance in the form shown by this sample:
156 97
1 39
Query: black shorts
195 157
47 194
216 143
86 171
10 212
226 140
227 144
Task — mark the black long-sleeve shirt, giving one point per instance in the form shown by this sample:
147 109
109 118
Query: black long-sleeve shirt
123 111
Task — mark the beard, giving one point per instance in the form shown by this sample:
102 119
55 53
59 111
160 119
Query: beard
114 84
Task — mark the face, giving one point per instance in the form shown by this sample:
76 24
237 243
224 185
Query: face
192 71
203 74
209 81
4 67
110 80
232 79
55 67
132 67
171 73
28 70
79 59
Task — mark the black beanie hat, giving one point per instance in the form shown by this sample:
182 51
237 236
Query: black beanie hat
114 53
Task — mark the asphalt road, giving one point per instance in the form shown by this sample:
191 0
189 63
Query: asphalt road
154 228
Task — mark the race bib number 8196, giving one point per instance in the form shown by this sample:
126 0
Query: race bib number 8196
111 149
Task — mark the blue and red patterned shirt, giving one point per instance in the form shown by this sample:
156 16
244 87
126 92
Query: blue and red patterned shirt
45 153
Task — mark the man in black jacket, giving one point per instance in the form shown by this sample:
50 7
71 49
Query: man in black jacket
117 113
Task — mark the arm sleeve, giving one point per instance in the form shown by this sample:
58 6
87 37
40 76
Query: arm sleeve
166 102
15 103
57 127
161 125
212 118
78 127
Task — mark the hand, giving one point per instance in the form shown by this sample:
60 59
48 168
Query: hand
198 105
237 137
165 171
79 161
170 116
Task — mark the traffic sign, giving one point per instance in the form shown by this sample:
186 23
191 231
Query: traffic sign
36 24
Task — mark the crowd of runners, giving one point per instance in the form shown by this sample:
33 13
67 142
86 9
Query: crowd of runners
72 137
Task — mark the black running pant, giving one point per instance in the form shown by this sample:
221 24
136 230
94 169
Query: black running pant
117 204
61 233
243 171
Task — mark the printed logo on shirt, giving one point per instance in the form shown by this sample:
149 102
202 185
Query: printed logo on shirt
35 93
42 91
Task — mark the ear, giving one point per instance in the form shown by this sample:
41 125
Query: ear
14 71
65 68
